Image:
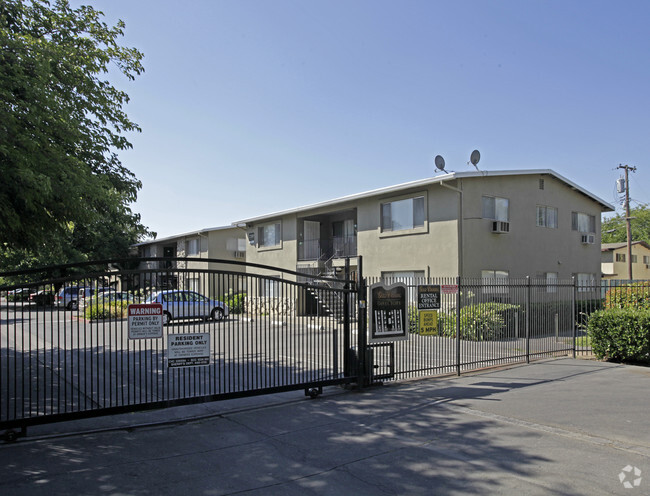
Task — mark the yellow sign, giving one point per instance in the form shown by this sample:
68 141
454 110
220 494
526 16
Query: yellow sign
428 322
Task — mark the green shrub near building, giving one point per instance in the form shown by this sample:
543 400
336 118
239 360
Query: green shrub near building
621 334
480 321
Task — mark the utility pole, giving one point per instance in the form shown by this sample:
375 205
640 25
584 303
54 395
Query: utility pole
628 218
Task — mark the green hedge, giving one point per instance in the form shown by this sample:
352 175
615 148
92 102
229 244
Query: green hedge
479 322
100 311
621 334
236 302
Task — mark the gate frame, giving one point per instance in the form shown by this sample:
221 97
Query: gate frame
60 274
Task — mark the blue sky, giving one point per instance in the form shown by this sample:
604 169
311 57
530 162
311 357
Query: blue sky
253 106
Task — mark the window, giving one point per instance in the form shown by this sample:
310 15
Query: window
269 235
646 259
586 282
546 217
495 208
402 276
269 288
402 215
620 257
495 281
551 282
583 223
192 246
634 259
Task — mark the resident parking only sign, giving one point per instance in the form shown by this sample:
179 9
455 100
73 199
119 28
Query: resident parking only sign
145 321
188 350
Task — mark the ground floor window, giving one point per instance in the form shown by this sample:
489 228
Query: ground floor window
495 281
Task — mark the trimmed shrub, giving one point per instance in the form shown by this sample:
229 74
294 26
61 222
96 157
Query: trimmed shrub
620 334
236 302
479 322
633 295
101 311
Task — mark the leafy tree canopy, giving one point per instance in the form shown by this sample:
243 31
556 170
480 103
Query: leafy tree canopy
640 225
64 193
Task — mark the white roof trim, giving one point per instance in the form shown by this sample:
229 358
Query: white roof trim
452 176
183 235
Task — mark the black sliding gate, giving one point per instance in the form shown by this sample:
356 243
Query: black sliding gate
66 350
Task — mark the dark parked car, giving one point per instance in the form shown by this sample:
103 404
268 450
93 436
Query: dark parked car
43 297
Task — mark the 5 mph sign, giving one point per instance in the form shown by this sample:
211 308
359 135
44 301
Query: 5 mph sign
145 321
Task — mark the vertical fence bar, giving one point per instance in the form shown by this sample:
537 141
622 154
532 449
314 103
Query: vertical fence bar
528 319
459 282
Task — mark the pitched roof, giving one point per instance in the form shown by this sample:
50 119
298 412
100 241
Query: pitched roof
616 246
452 176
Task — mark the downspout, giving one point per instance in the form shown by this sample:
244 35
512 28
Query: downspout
460 223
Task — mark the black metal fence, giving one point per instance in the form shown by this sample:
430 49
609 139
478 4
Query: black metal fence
484 323
69 347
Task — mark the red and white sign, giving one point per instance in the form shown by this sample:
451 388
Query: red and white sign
145 321
449 288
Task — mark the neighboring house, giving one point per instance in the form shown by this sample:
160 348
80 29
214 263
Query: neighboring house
223 243
614 262
513 224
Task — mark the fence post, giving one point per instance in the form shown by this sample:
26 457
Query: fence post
574 314
458 326
362 328
528 319
346 320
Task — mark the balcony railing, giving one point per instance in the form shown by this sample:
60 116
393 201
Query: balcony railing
324 249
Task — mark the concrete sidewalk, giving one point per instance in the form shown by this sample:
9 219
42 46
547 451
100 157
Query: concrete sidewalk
562 426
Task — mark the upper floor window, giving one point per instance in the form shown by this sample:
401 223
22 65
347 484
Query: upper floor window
646 259
496 208
546 216
402 215
620 257
583 223
269 235
192 246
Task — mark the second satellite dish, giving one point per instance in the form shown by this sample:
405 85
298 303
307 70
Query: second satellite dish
440 162
475 157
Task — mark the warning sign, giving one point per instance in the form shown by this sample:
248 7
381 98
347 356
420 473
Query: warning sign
145 321
428 322
188 350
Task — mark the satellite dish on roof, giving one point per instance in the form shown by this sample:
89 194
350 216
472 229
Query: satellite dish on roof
475 157
440 163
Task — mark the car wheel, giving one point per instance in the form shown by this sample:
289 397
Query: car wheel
217 314
73 305
167 318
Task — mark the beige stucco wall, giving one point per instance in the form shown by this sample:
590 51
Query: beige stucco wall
619 270
527 250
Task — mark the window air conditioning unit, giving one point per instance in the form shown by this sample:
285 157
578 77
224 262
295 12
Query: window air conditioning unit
499 226
588 239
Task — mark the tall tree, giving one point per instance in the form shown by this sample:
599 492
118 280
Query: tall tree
614 229
61 126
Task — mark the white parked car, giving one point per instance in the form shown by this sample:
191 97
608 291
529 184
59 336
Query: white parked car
182 304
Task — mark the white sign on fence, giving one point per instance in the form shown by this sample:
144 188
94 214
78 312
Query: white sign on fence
145 321
188 350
